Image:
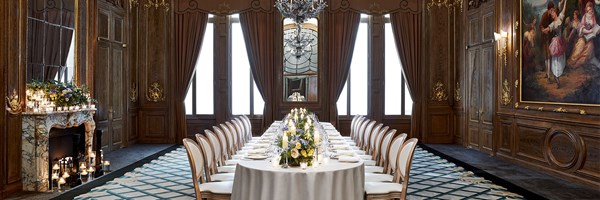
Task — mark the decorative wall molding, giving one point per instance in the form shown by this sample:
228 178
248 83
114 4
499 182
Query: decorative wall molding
13 104
155 93
133 94
506 98
457 93
439 92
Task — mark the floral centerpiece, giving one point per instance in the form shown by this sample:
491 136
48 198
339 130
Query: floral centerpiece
298 141
59 93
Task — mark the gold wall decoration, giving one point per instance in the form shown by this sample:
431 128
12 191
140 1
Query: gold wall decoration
506 97
157 4
155 93
516 53
516 26
517 83
516 104
133 3
375 8
582 112
541 109
439 92
133 94
224 8
13 103
560 109
457 92
445 3
526 108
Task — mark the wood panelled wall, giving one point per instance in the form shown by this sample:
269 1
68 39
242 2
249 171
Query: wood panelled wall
12 77
566 144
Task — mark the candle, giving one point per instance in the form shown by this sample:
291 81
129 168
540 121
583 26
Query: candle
82 167
317 137
303 165
326 160
91 170
54 176
60 182
55 167
106 166
36 110
275 161
284 142
66 175
84 172
315 164
93 106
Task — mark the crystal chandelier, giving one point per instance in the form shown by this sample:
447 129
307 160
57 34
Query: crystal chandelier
299 11
299 42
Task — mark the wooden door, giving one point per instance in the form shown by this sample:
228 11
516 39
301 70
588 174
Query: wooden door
480 66
108 77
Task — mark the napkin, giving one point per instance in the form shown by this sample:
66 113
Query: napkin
345 153
348 159
341 147
257 151
337 142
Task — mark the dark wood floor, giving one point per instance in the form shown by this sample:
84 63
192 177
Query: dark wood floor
531 183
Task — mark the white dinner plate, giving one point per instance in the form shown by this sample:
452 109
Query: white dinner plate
257 157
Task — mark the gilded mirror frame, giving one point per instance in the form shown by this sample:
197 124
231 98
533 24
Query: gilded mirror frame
300 73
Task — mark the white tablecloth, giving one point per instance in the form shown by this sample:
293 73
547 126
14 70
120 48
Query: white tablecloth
335 180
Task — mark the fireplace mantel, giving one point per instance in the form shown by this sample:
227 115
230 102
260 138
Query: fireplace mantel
36 131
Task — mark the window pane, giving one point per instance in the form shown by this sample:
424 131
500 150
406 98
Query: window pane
259 103
204 75
188 101
393 74
240 73
359 73
407 101
342 103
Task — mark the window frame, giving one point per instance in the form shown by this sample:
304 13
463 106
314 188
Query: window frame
403 84
252 115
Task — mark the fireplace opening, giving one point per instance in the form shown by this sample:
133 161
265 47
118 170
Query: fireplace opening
66 150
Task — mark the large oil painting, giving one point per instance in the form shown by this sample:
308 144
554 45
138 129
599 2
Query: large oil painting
560 52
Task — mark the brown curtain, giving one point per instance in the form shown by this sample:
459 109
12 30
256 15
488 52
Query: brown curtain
407 32
189 33
340 39
258 35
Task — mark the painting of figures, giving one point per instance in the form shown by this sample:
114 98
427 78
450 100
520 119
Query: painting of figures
560 52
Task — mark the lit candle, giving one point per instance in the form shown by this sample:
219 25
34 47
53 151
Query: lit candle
106 166
60 182
84 172
55 167
82 167
93 106
317 137
66 175
54 176
315 164
36 110
91 170
284 142
303 165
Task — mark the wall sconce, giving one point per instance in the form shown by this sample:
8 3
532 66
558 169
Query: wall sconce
500 37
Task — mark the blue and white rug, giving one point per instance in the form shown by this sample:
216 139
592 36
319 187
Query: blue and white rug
169 177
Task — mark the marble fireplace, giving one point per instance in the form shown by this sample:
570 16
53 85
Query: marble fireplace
35 138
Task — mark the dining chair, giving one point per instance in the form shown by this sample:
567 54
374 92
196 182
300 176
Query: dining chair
378 141
389 169
371 143
224 143
230 140
354 130
361 132
218 150
236 135
384 157
243 132
204 190
354 120
211 167
398 188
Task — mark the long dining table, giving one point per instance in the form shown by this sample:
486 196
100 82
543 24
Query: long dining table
259 178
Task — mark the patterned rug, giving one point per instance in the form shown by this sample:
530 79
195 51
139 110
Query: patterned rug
169 177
